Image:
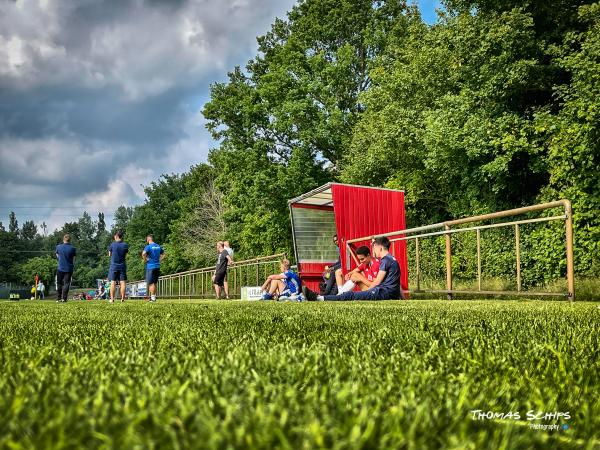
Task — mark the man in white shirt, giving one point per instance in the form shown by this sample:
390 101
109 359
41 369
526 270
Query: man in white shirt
228 249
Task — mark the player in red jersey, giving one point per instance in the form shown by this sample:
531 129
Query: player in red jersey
364 274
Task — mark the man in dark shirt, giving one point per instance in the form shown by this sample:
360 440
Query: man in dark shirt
333 278
385 287
118 268
65 253
218 278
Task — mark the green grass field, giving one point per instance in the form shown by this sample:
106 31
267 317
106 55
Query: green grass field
268 375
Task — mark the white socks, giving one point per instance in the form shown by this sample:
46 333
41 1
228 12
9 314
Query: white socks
347 287
153 298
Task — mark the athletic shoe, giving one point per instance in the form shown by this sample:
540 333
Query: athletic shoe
283 298
308 294
267 296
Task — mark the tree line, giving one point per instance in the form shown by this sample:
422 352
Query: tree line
494 106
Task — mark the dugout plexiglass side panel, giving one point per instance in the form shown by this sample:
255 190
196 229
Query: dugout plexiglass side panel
313 232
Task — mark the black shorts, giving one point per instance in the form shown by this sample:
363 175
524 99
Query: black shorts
115 274
152 276
220 278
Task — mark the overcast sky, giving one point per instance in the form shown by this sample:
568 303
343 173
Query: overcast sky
100 97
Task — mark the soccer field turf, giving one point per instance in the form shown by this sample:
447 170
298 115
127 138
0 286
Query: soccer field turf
264 375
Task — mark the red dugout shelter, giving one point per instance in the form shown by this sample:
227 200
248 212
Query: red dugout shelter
351 212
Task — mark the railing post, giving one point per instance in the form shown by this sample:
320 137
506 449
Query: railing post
448 263
418 265
478 259
234 281
570 263
518 255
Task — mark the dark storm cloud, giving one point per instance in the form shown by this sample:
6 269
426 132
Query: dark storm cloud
99 97
96 114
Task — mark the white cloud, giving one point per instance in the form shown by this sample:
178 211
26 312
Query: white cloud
136 177
118 192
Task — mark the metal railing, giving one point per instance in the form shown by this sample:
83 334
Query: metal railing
447 230
197 283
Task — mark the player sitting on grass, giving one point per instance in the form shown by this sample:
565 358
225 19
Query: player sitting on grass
364 274
283 286
333 278
386 286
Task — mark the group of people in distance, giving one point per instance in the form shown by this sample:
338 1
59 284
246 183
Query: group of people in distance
152 255
377 276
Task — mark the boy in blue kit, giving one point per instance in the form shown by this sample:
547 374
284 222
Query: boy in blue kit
153 254
118 269
285 285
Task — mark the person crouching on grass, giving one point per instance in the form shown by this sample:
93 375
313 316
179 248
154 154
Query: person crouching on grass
283 286
386 286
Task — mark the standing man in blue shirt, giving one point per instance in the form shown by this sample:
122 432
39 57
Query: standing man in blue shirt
65 253
153 254
118 269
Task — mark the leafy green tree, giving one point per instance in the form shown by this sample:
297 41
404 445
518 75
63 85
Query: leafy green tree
7 255
123 216
156 216
44 266
13 224
202 222
285 121
160 209
448 117
101 223
574 143
29 230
